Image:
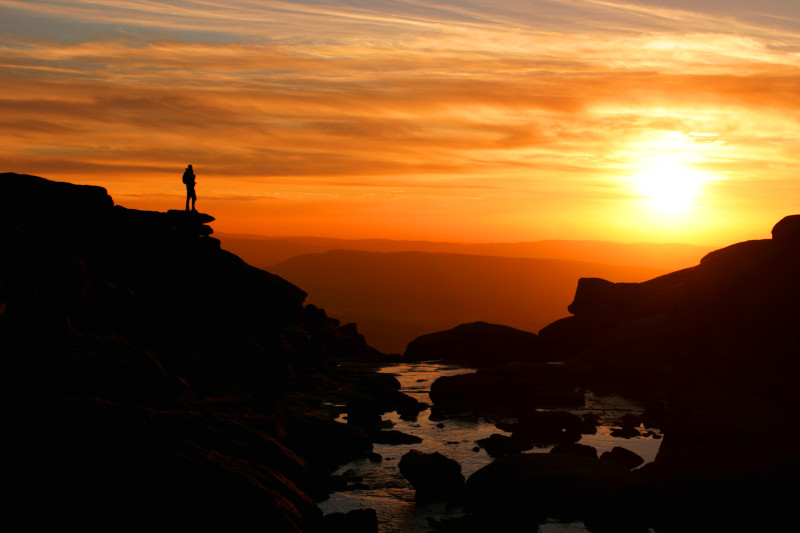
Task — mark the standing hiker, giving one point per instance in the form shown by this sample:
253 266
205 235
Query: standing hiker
189 181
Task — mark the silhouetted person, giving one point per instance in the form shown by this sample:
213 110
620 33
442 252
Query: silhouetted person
188 180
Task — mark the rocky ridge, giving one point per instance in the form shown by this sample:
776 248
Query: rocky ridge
711 350
152 377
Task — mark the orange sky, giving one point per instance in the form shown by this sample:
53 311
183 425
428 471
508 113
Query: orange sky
642 120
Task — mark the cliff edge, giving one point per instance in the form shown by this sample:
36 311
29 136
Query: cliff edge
151 377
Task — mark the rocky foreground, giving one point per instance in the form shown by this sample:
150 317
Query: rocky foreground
151 377
713 351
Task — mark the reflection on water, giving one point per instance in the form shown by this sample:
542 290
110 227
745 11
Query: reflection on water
393 497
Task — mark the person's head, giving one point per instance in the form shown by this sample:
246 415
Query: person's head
190 166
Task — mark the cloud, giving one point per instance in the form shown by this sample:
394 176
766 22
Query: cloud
392 100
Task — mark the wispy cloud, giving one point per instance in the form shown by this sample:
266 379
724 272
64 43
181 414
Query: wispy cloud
391 103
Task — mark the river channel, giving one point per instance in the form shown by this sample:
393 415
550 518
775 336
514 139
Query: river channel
383 488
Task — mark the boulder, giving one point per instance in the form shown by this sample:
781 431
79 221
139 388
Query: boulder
365 407
323 442
497 445
673 333
477 344
625 433
362 412
528 487
542 428
543 376
466 392
190 222
625 457
50 209
573 448
179 216
590 423
565 338
381 393
554 383
596 295
739 447
727 437
434 476
787 230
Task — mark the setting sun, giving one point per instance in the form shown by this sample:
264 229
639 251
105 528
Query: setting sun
669 186
260 256
446 121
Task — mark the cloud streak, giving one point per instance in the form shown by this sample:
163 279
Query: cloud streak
392 104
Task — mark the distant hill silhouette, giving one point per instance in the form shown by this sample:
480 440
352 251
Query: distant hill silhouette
264 251
397 296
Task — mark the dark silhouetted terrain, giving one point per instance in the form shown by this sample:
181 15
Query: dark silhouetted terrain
712 350
151 378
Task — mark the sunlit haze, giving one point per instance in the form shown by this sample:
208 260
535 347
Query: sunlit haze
458 120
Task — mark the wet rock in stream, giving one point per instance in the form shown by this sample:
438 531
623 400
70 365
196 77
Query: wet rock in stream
434 476
527 488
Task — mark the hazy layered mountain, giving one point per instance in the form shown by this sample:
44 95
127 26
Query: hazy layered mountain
397 296
265 251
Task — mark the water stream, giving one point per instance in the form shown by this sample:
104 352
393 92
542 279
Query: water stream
384 489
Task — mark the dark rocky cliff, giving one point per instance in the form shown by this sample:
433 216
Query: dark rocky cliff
729 322
718 345
713 351
151 377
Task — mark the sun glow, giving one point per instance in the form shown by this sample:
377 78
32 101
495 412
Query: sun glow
667 176
669 186
454 122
